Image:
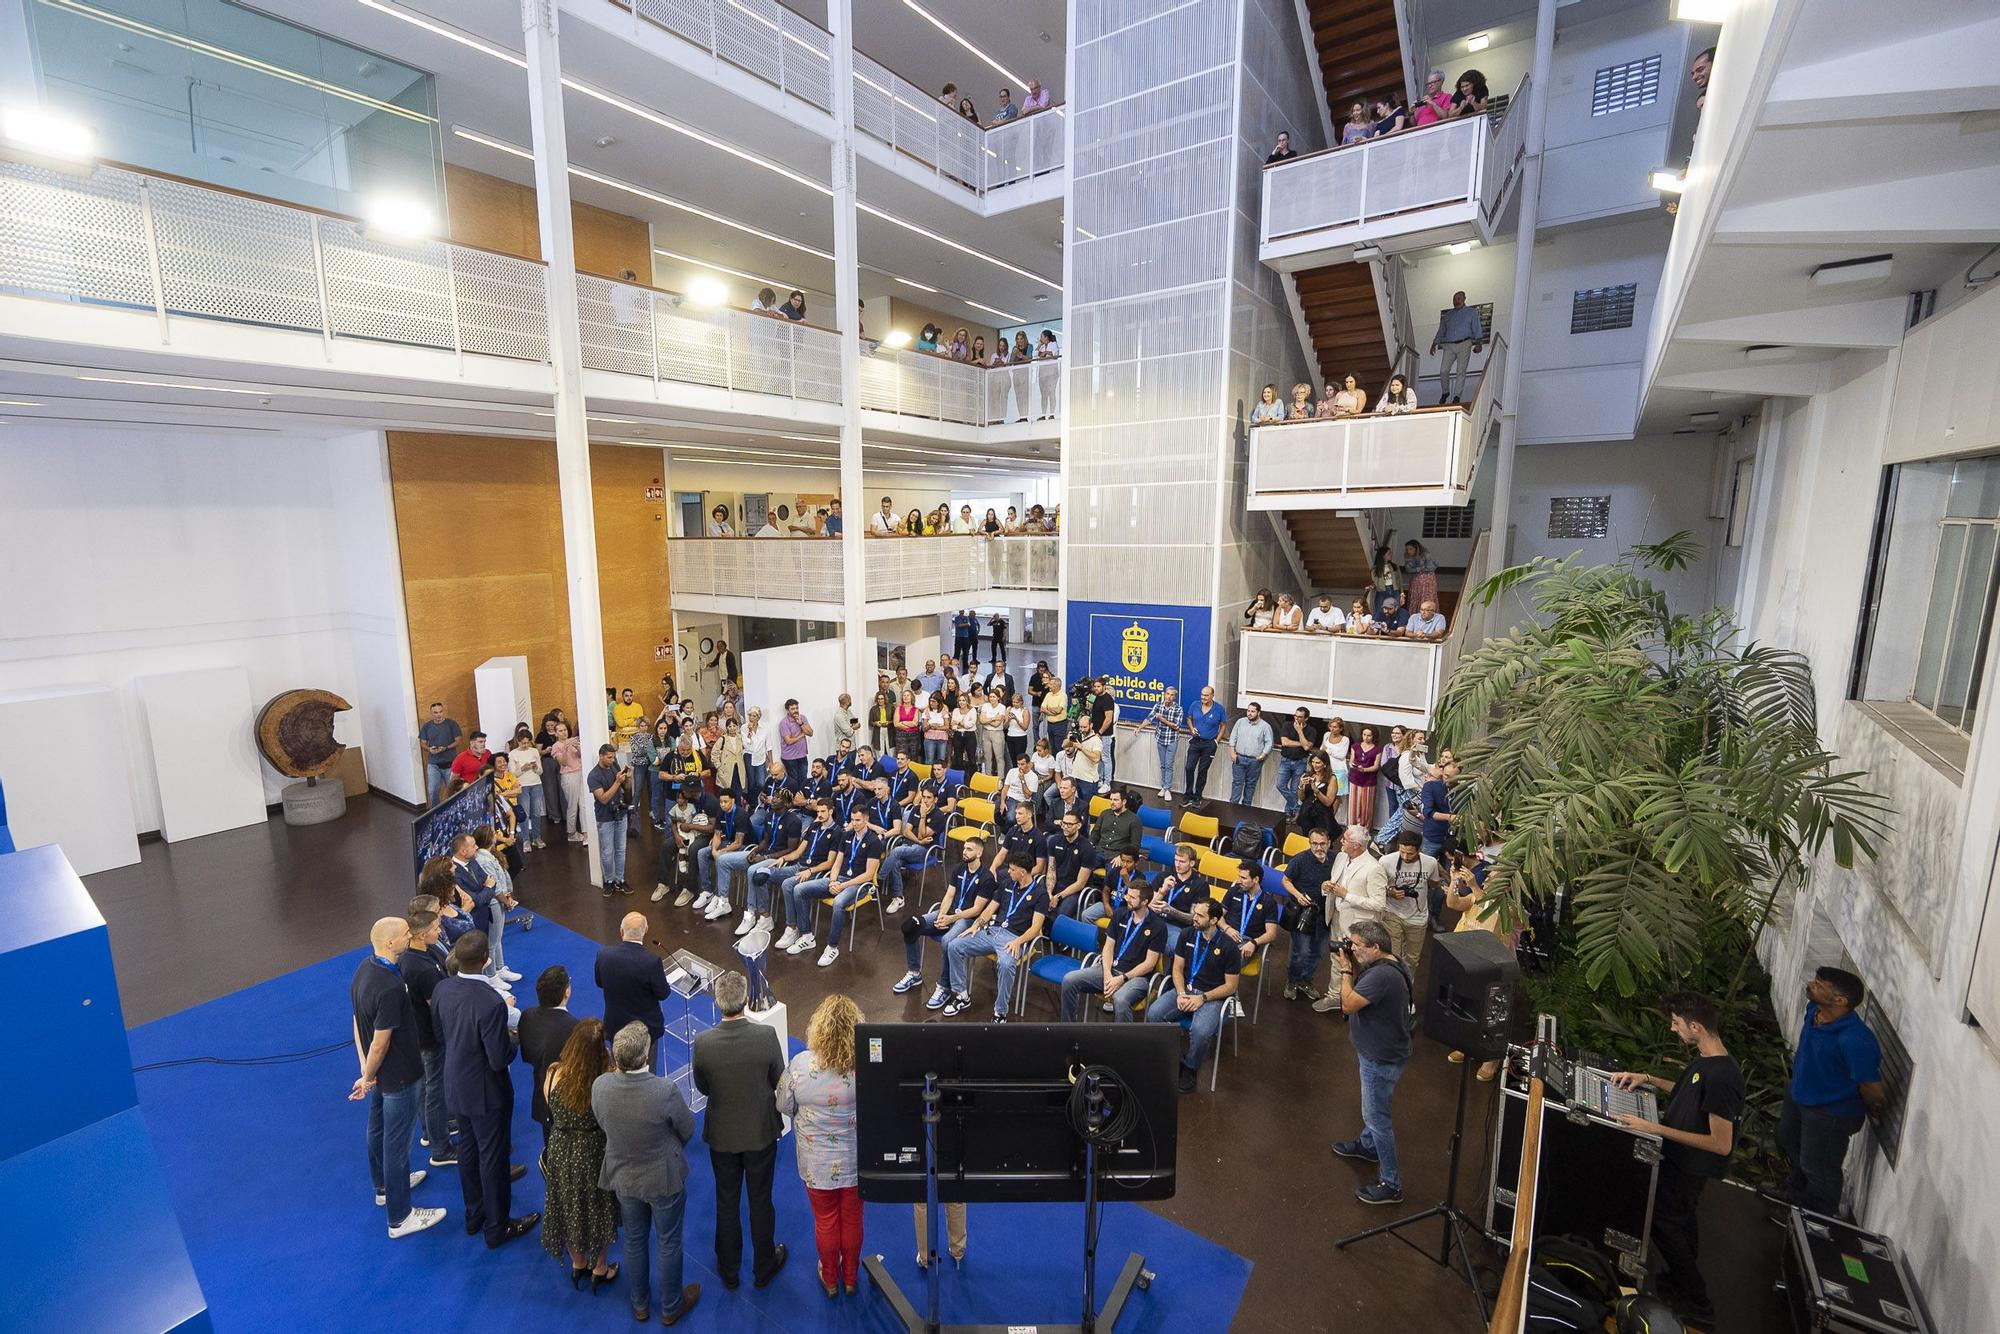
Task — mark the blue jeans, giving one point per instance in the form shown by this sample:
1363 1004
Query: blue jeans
1814 1141
1289 773
435 777
1243 776
934 748
753 778
896 864
795 773
1057 730
1202 1025
664 1216
611 836
1167 744
1107 763
531 814
1200 753
1083 985
704 865
437 1126
916 929
391 1118
1308 948
730 865
1378 1132
770 879
958 956
643 786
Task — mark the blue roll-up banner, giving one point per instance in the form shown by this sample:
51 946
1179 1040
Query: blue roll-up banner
1142 647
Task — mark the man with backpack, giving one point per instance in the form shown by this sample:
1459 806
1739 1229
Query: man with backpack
1375 997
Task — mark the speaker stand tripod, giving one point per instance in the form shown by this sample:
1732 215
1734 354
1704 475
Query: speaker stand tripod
1456 1223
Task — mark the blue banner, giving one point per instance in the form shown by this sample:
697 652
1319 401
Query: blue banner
1142 647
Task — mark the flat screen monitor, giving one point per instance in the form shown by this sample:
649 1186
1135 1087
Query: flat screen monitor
1005 1134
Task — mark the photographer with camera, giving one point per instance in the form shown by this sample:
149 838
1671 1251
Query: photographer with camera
1375 992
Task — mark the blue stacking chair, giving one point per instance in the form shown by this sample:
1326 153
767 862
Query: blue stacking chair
1069 944
1157 850
1156 819
954 779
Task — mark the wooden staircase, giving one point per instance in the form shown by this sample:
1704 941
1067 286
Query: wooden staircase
1346 323
1333 551
1360 51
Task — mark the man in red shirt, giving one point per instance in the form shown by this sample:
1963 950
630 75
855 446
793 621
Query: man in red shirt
471 761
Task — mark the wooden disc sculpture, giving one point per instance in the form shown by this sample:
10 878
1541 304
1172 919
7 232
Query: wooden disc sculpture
295 732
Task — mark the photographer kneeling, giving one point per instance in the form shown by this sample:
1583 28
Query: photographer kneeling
1375 995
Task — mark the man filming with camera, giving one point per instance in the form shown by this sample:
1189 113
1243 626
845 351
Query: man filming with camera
1375 997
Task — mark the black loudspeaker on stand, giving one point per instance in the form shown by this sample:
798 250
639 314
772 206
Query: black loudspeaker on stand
1469 1007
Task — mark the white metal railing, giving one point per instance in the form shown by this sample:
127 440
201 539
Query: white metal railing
894 569
792 54
1429 449
1468 622
121 238
1354 675
926 384
1462 161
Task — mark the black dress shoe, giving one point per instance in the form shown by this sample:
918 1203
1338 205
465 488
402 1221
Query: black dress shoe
1189 1080
473 1229
778 1254
517 1171
516 1227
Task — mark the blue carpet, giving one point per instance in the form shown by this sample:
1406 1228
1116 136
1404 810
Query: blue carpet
268 1172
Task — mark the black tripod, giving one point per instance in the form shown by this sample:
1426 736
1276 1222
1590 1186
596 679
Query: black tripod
1455 1220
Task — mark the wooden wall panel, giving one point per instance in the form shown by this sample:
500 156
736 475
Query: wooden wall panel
500 215
480 527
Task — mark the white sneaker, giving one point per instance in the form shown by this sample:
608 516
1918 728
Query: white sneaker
828 955
1165 795
659 892
764 922
510 975
749 921
801 945
718 909
416 1177
784 942
908 982
895 905
417 1221
702 900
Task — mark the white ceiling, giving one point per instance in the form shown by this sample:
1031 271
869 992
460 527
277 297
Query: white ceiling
1024 36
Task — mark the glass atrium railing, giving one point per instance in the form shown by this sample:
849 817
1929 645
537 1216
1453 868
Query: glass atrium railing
895 569
928 384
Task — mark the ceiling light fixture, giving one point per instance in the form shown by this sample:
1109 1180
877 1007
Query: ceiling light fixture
921 287
399 217
1846 272
1667 181
1459 248
42 135
1479 41
18 403
944 28
1699 11
173 384
711 264
707 290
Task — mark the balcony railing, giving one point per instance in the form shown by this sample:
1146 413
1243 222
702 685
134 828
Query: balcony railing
793 54
1410 184
1359 677
1425 457
895 569
927 384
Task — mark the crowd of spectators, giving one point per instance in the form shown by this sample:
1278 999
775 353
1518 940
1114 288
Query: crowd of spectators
827 521
1037 99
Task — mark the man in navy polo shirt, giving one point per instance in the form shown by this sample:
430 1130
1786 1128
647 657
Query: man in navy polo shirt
1021 842
1206 965
1248 916
1176 892
731 833
1305 880
780 837
392 1074
813 857
1005 928
1133 947
1204 724
1836 1083
857 856
1072 861
965 897
923 829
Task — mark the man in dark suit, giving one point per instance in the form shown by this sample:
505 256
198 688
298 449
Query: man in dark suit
736 1066
543 1032
468 875
471 1022
633 980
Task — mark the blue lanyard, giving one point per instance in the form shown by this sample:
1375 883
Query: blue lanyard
1200 956
1249 911
379 960
1014 901
967 877
1135 929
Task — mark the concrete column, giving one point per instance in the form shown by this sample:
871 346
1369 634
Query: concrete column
1530 188
586 621
846 300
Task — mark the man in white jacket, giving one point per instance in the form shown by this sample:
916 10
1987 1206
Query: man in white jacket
1357 889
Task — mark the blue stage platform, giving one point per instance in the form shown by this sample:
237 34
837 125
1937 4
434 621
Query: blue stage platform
267 1170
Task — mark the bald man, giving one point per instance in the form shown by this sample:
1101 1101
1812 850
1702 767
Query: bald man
392 1074
633 980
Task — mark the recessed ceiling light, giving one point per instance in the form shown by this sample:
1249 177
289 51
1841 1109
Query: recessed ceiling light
606 140
1765 352
1699 11
1459 248
1667 181
170 384
1479 41
1845 272
18 403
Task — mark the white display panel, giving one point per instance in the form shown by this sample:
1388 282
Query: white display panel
202 727
500 687
63 759
810 673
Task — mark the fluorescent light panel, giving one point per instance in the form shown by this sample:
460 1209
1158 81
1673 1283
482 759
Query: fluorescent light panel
948 31
173 384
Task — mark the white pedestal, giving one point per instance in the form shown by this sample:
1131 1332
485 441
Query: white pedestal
205 759
62 754
500 688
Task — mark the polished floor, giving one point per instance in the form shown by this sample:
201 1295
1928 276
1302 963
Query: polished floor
199 919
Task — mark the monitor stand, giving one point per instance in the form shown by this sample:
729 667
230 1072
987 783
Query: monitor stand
1133 1275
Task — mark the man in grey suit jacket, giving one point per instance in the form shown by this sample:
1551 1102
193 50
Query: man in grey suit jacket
646 1126
736 1066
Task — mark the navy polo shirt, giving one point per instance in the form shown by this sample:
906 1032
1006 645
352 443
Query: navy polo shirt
1248 913
1832 1061
1209 960
971 885
820 843
1131 936
857 850
1066 858
1019 904
781 833
382 1004
1025 847
1181 896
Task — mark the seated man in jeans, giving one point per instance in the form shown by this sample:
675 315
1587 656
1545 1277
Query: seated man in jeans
856 857
1006 926
730 834
971 888
923 830
1131 953
779 837
812 857
1205 969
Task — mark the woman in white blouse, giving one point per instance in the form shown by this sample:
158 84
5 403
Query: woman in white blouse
1398 397
992 732
1336 745
964 729
1290 616
756 750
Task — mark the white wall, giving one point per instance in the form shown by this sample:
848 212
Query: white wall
1911 919
141 551
1595 166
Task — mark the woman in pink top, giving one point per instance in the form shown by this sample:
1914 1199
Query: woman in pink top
908 720
569 761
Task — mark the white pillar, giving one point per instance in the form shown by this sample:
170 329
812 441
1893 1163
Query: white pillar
846 298
1524 263
586 622
20 72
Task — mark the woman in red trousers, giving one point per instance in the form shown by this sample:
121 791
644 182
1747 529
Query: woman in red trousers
817 1091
